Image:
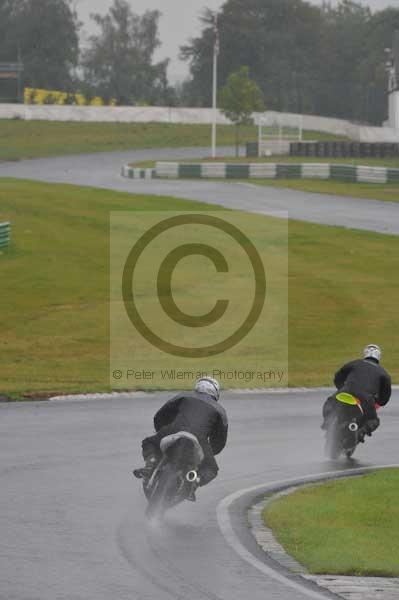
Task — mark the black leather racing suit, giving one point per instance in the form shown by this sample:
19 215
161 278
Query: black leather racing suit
196 413
368 381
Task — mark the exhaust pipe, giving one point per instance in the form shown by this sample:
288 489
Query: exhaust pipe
192 476
353 427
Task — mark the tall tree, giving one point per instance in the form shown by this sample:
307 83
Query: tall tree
239 98
8 44
380 33
341 54
119 61
326 59
8 49
47 36
278 39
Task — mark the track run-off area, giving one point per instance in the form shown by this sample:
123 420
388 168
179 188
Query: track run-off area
72 516
103 171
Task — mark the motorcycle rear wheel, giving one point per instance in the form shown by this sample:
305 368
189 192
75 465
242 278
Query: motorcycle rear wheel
161 493
332 446
349 453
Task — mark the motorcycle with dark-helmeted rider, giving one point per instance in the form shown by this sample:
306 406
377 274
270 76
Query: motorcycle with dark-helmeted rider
363 386
191 429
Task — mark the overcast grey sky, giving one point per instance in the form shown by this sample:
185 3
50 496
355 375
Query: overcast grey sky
179 22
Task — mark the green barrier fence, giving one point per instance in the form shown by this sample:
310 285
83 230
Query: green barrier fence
190 170
287 171
343 173
5 234
237 171
219 170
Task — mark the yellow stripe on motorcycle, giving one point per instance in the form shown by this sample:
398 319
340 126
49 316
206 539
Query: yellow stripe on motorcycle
346 398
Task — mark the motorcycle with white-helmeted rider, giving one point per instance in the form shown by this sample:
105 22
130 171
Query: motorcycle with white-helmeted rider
190 429
363 386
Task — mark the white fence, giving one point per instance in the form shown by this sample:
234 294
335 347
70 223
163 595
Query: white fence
111 114
357 133
310 122
393 120
147 114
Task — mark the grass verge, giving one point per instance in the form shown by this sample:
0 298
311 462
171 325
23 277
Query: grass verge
341 527
389 192
34 139
54 304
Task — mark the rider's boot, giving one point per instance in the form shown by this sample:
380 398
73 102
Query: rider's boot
368 428
372 425
325 424
148 469
361 435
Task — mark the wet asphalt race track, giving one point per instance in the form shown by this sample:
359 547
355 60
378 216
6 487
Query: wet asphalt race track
72 523
103 170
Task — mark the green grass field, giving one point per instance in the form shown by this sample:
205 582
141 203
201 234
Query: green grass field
34 139
388 192
348 527
54 305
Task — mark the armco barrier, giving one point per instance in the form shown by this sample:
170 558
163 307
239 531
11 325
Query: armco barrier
5 234
337 172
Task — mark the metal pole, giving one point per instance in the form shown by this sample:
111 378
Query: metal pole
19 74
214 87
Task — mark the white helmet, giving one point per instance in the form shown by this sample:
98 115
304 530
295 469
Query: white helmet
208 385
372 351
